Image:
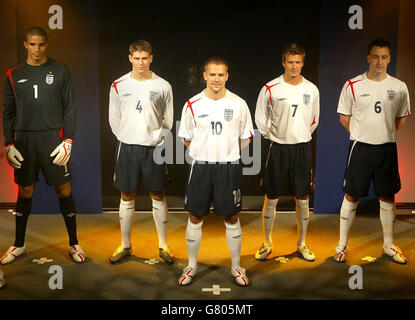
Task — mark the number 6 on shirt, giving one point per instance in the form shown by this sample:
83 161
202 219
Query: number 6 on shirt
378 108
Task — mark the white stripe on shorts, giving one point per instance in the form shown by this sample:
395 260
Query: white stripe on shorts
119 149
350 155
348 160
118 155
191 170
269 152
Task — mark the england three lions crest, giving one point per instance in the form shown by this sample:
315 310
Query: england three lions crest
228 114
49 78
391 94
153 96
306 98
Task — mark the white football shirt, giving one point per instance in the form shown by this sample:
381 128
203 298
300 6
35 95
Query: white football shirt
215 127
141 112
288 114
373 107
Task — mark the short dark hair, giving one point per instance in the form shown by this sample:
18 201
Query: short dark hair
36 31
140 45
293 48
216 60
379 43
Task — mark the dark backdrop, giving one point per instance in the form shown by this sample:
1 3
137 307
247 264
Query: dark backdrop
76 46
342 57
250 36
94 44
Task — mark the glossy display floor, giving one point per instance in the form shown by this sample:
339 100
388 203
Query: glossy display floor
141 278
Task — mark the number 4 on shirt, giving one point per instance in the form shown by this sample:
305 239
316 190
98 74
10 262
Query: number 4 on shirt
139 107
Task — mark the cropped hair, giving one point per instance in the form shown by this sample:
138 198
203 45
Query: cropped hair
378 43
140 45
37 31
216 60
293 48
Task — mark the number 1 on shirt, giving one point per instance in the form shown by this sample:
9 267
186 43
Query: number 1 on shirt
35 88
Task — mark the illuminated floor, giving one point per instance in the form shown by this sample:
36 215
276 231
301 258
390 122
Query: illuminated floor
134 279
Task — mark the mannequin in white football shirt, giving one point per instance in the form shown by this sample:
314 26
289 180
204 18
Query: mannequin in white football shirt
287 114
140 115
214 144
373 107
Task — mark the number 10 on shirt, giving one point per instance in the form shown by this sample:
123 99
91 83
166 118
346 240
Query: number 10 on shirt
216 128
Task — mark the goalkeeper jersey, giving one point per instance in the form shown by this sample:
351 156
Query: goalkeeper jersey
38 98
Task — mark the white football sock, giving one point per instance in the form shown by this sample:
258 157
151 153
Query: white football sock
193 240
387 218
268 217
160 219
347 215
234 240
126 213
302 217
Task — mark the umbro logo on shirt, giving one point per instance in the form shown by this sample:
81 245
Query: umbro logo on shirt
365 95
203 116
281 99
22 80
126 95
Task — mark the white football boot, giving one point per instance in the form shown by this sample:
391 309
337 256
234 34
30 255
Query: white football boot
12 253
187 276
341 254
396 253
77 254
264 251
240 276
306 252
